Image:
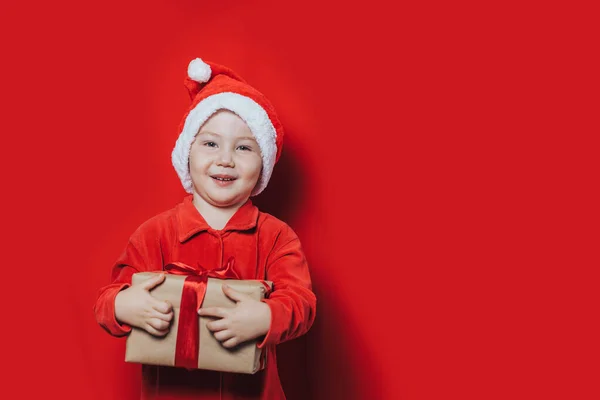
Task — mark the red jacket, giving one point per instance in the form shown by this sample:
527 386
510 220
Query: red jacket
264 248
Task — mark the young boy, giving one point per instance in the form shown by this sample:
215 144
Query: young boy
229 142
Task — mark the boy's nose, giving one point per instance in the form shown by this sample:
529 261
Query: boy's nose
225 159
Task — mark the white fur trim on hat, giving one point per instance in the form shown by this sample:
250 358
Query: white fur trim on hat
247 109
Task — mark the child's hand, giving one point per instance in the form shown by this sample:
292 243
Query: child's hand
248 320
135 306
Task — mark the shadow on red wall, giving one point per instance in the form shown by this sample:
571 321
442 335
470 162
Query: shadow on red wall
331 361
283 199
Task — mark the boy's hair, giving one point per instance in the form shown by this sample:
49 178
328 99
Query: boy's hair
213 87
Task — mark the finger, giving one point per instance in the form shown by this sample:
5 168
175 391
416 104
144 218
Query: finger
162 306
153 282
223 335
217 325
168 317
155 332
229 343
233 294
158 324
218 312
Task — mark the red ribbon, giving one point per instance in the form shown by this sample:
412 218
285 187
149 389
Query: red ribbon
194 290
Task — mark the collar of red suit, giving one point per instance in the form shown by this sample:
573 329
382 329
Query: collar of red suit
191 222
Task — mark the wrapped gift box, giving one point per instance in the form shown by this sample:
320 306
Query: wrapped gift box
147 349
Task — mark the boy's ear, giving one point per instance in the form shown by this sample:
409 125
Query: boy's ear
258 181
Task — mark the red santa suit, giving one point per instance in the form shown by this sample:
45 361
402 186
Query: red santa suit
262 246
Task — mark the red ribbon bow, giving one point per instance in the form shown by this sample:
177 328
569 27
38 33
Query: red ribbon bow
194 290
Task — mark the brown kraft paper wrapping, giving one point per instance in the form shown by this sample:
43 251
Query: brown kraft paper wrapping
144 348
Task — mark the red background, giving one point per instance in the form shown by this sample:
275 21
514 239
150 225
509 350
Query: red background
439 167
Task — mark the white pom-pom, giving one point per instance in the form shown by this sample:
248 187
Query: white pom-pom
199 71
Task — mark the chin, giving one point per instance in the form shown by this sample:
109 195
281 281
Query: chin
225 201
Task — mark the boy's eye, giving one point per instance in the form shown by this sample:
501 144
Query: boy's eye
243 147
210 144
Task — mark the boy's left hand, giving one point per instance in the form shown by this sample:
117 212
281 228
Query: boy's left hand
248 320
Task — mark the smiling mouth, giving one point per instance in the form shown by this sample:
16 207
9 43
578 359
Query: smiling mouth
223 178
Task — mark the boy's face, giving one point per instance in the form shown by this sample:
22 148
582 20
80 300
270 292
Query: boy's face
225 161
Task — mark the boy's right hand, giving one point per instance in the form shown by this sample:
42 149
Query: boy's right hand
135 306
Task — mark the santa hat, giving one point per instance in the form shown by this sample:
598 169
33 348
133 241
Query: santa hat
213 87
